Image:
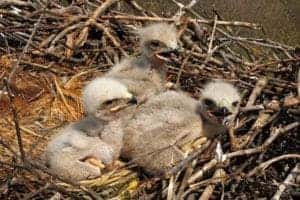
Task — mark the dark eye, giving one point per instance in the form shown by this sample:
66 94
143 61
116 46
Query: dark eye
155 43
108 102
235 103
208 102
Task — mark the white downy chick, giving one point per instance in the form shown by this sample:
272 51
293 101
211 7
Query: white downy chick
100 98
166 122
101 91
145 75
66 152
220 97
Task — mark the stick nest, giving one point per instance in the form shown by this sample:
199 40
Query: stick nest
48 51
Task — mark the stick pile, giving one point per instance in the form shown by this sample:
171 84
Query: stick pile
49 49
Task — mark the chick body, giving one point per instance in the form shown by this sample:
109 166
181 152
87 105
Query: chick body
166 122
150 136
66 152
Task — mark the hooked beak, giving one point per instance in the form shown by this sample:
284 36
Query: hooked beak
211 125
133 101
167 54
221 112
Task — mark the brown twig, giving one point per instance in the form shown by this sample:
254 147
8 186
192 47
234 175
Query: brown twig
60 92
262 166
274 135
25 49
187 160
84 33
288 180
184 62
206 194
16 120
210 45
161 19
260 84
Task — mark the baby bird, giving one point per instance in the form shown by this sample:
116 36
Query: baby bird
102 91
153 137
220 97
66 152
92 137
134 78
145 75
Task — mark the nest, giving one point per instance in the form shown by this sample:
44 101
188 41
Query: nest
49 51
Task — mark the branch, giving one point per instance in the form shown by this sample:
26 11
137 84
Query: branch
25 49
274 134
16 120
201 21
266 164
289 179
260 85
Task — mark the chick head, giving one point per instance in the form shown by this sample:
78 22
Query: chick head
158 40
105 93
221 98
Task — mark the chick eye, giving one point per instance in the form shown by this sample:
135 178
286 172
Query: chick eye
235 103
155 44
108 102
209 102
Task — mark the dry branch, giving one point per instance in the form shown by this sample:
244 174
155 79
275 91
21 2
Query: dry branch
288 180
78 42
262 166
16 121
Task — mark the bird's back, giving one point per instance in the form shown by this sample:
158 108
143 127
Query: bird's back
165 120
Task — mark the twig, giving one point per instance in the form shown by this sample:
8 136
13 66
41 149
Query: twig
206 194
262 166
16 121
25 49
32 194
160 19
15 2
187 160
110 36
274 134
170 195
260 84
252 108
288 180
181 11
84 33
184 183
212 36
60 92
262 66
182 67
199 174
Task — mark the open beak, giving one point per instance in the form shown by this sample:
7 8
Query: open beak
211 124
132 101
217 114
221 112
167 54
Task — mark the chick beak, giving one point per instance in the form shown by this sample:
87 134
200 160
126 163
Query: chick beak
167 54
221 112
133 101
123 105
